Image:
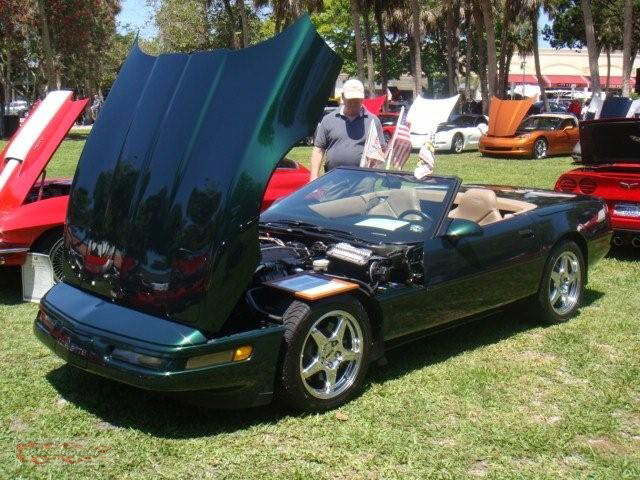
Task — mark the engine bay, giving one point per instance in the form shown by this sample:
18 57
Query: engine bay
372 267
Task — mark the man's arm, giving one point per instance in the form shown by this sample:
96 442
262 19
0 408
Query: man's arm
316 162
319 148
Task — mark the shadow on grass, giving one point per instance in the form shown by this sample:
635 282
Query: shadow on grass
77 136
10 286
625 253
128 407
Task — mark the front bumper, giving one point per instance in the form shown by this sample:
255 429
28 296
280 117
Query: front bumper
13 256
88 342
505 146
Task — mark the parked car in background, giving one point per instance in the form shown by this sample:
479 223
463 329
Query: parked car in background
460 133
536 136
389 120
17 107
33 207
610 153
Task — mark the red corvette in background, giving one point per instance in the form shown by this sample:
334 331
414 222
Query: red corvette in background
610 153
33 208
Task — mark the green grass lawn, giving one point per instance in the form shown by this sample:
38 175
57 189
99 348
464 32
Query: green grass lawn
500 398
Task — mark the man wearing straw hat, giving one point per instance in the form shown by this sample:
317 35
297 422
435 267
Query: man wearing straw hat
341 135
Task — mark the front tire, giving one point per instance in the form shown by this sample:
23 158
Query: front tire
540 148
562 287
457 144
327 347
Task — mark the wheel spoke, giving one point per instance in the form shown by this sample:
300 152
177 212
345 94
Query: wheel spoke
554 296
555 277
319 337
564 264
314 367
338 333
348 355
330 380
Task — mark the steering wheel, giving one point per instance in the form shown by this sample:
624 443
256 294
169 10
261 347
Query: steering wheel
412 211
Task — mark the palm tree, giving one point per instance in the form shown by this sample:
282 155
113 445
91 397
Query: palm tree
452 35
355 18
286 12
371 78
534 15
626 46
377 12
417 37
486 9
592 46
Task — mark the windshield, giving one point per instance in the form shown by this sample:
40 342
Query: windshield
532 124
372 205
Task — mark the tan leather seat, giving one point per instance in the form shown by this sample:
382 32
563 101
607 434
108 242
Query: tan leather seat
479 205
393 203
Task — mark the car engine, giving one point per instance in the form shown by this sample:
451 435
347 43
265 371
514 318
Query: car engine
372 267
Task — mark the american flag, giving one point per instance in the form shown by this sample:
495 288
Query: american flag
400 146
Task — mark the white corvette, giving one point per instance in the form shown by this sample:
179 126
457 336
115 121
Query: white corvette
460 133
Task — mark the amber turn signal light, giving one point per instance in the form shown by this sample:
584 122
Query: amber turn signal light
242 353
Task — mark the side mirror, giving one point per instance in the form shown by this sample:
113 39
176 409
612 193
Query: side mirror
461 228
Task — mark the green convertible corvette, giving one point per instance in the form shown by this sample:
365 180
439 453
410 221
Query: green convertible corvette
173 281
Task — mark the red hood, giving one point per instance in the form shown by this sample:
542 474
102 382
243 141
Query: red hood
35 143
506 115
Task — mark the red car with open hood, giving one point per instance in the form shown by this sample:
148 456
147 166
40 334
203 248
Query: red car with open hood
33 208
610 153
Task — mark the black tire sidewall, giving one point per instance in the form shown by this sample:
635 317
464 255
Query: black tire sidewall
546 314
298 319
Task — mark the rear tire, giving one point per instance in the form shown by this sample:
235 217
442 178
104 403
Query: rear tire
324 365
562 286
52 244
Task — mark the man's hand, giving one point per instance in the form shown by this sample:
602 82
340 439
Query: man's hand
316 162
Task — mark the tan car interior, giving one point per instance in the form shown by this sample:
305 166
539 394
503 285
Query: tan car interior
480 205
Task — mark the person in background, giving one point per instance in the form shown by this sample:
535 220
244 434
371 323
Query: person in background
341 135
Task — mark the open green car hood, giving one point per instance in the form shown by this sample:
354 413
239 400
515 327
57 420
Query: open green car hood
165 201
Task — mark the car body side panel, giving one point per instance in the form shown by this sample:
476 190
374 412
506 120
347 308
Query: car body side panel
479 274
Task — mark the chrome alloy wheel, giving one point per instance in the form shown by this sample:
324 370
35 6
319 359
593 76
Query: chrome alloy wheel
458 144
56 256
564 287
540 148
331 355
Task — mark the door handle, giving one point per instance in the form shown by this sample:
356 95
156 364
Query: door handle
526 233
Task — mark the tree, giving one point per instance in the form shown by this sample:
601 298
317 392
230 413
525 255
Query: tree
486 9
377 12
452 35
371 80
626 46
355 17
592 47
417 36
534 14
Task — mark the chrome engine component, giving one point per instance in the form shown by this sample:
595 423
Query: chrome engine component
348 253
